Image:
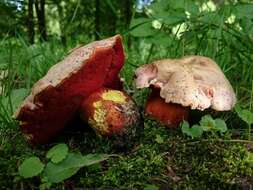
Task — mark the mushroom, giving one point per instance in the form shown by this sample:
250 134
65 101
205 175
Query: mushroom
111 113
56 97
192 82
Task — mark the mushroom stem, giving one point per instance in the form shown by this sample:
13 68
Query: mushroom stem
169 114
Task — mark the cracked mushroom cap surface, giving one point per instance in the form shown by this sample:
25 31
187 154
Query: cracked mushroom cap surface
194 81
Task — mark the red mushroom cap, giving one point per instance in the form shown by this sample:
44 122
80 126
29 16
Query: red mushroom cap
56 97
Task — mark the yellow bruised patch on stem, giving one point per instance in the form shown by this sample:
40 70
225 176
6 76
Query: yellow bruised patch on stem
98 120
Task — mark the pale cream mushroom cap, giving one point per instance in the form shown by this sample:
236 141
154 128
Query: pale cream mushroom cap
194 81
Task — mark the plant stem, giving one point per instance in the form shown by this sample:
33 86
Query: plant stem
220 140
150 53
249 127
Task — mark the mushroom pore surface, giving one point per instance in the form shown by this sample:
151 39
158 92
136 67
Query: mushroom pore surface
55 98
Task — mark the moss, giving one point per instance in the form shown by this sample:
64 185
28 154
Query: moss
160 157
175 162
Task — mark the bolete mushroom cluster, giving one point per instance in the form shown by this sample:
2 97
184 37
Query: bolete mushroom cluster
57 97
192 82
87 82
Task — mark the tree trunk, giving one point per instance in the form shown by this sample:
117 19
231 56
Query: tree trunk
110 25
97 19
60 12
128 12
128 17
30 22
40 10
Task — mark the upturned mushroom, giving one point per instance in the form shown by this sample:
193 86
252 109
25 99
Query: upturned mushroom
192 82
56 98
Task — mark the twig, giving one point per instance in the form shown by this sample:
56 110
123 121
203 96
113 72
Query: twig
220 140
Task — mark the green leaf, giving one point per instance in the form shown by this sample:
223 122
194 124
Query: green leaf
244 11
207 123
172 20
221 125
159 8
45 186
196 131
185 128
55 173
178 4
30 167
142 27
12 102
191 7
211 18
162 39
247 25
150 187
17 96
57 153
244 114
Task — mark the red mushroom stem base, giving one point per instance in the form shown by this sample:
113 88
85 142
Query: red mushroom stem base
169 114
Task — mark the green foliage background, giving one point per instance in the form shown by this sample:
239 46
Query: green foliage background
221 30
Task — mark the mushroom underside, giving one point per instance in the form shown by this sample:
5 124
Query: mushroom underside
52 103
193 81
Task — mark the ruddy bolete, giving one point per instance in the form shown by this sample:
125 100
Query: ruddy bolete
56 97
192 82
